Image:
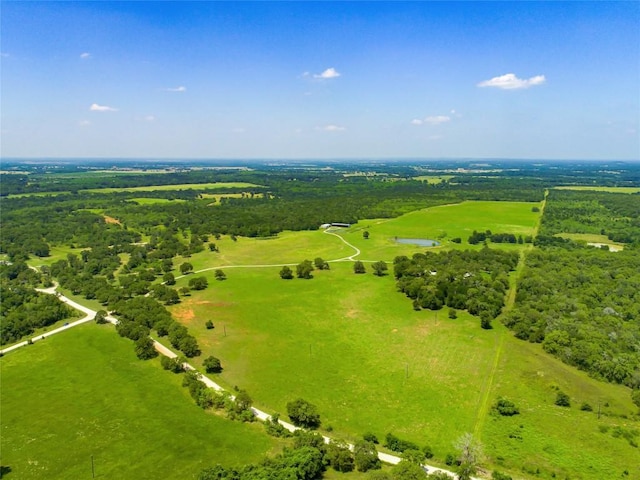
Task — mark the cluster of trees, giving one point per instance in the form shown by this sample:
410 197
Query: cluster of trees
616 215
303 414
473 280
479 237
139 315
583 305
309 457
22 308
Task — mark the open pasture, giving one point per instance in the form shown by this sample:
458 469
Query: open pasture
183 186
155 201
600 189
442 224
84 393
433 179
354 346
592 238
348 343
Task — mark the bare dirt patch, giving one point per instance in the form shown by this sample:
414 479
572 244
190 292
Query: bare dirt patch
184 314
109 219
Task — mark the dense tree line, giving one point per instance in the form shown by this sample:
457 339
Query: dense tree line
22 308
583 305
467 280
615 215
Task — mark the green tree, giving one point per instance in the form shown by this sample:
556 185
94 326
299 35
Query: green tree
220 275
243 401
198 283
320 264
174 365
209 325
562 399
286 273
145 348
212 364
379 268
365 456
365 234
408 471
358 267
635 397
304 269
101 317
303 413
339 457
505 407
185 268
169 278
189 346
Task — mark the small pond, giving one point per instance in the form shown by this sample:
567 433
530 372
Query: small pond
421 242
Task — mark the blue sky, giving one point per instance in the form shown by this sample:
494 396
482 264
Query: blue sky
285 80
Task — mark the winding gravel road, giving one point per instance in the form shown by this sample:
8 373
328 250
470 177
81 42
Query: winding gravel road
163 350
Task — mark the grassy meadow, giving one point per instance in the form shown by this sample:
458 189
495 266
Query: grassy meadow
84 393
183 186
600 189
354 346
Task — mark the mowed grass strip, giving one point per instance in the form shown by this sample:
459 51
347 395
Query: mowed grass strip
84 393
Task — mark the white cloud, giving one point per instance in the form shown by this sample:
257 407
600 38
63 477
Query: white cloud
176 89
150 118
437 119
238 130
84 123
328 73
101 108
509 81
332 128
432 120
4 55
85 56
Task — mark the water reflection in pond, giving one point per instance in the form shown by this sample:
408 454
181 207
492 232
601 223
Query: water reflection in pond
422 242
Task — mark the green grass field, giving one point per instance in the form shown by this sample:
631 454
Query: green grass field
184 186
155 201
601 189
84 393
594 239
354 346
150 188
433 179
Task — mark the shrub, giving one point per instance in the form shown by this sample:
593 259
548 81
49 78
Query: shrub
303 413
586 407
398 445
505 407
562 399
172 364
212 364
370 437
